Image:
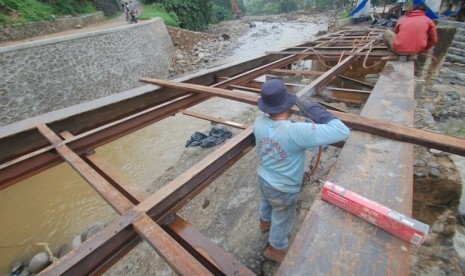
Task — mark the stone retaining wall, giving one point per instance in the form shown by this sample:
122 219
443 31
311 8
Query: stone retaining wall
42 76
32 29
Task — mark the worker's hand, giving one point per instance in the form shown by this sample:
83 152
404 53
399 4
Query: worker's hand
315 111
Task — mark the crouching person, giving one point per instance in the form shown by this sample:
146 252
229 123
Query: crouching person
281 146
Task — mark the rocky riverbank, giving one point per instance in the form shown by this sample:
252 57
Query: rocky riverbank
438 186
196 50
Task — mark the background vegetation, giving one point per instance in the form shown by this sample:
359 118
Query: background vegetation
19 11
189 14
196 15
156 10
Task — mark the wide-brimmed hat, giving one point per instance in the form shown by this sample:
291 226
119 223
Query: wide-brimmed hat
275 98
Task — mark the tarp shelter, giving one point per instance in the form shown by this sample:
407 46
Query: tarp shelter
362 9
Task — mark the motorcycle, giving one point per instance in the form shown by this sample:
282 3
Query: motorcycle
131 17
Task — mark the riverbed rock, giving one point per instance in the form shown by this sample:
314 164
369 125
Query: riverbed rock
40 261
76 241
459 246
91 231
434 172
17 267
430 107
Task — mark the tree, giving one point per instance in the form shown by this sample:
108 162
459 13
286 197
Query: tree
193 15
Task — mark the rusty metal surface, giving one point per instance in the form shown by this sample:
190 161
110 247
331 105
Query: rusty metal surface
22 138
96 253
199 244
357 122
348 95
340 243
172 252
213 119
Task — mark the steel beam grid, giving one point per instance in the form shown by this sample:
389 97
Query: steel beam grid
43 158
142 214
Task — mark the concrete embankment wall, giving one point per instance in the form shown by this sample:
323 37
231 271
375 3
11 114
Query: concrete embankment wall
42 76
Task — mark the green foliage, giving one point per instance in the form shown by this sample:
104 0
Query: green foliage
344 15
272 6
71 7
222 10
193 15
156 10
19 11
220 13
24 10
197 14
453 129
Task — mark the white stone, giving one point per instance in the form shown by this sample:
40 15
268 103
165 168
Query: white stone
40 261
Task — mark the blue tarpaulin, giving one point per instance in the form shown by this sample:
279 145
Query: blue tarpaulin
359 7
431 14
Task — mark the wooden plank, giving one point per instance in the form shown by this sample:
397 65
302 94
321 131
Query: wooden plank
333 241
357 122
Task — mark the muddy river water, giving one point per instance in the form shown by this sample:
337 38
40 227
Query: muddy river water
57 205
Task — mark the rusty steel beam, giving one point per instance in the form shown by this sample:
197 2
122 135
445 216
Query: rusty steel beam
100 185
94 254
213 119
377 127
223 261
245 88
326 48
21 169
325 54
364 84
207 252
324 79
299 72
170 198
177 257
348 95
319 73
88 116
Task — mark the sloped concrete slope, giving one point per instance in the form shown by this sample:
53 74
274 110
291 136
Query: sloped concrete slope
456 51
46 75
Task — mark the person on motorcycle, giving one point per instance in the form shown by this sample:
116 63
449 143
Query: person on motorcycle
132 12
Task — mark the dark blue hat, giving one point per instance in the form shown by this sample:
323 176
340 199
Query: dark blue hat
275 98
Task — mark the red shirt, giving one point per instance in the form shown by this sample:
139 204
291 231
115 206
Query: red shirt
415 33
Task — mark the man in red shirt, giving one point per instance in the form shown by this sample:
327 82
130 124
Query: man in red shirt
414 33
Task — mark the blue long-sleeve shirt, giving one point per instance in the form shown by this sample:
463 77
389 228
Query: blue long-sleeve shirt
281 146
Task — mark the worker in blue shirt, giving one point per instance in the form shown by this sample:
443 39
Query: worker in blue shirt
281 145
